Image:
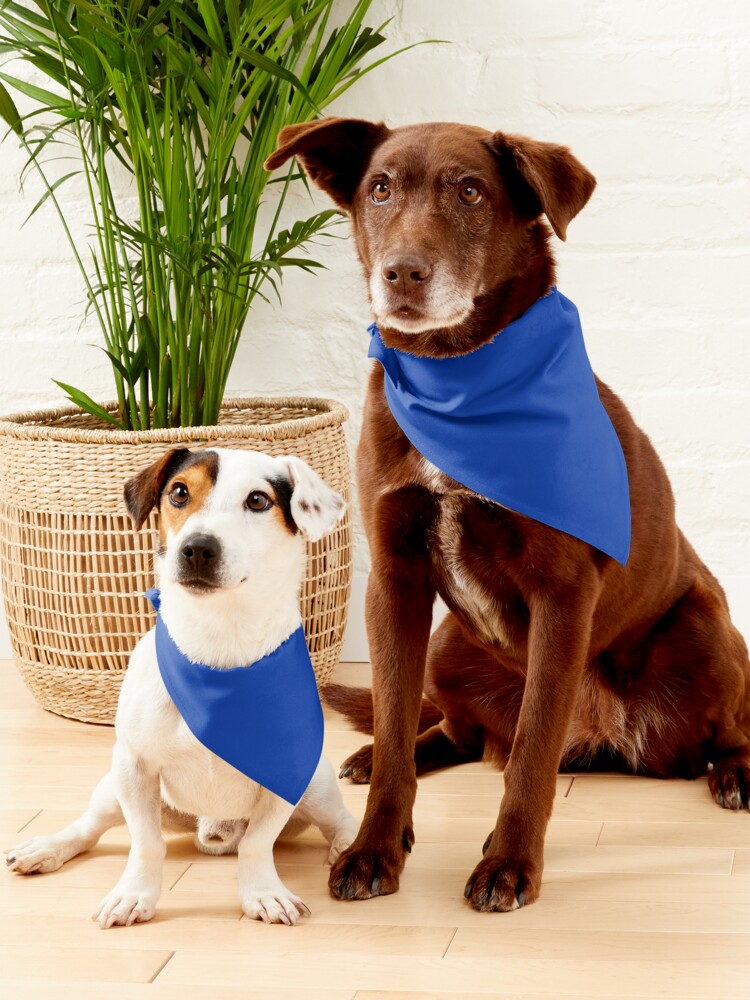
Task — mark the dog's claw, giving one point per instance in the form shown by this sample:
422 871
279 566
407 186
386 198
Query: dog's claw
10 859
502 885
365 873
408 840
345 772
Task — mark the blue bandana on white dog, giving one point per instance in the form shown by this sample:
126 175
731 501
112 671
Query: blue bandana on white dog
520 422
264 719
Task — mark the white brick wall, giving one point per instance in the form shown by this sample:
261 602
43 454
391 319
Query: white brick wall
652 95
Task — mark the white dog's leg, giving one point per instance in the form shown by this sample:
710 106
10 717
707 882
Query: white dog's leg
46 854
262 893
138 790
323 806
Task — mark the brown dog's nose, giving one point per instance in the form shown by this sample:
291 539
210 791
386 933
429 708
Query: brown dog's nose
408 269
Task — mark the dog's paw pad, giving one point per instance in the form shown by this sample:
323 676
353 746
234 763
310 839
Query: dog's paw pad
219 836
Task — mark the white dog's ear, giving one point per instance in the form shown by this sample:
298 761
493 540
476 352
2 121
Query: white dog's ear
314 506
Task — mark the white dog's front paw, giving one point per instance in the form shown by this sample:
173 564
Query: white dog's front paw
126 905
273 906
37 856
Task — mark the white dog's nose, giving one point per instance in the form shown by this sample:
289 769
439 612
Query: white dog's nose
199 551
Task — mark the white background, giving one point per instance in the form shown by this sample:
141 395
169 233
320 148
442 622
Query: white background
654 97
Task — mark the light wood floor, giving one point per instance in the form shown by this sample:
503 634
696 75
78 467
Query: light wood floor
646 894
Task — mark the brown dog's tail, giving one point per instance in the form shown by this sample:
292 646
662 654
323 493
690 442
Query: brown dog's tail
355 704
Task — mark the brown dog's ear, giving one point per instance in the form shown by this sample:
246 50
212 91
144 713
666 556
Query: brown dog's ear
543 177
142 492
334 153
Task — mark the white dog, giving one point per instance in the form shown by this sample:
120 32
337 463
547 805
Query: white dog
230 563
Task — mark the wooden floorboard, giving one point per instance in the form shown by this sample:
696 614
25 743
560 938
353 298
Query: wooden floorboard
646 894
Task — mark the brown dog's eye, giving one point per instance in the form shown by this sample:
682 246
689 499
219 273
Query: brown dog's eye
470 195
380 192
258 500
179 495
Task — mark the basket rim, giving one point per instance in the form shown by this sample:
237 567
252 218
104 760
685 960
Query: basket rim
30 424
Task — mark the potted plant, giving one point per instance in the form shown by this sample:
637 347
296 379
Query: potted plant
185 99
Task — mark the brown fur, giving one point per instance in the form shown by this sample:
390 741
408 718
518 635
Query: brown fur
552 654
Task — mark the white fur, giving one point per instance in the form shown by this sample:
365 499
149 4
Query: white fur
445 305
315 507
157 761
484 610
433 478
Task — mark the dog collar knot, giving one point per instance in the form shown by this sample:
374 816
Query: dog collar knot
520 422
264 719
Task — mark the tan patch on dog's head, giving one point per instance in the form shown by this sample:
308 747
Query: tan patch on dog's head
196 478
149 488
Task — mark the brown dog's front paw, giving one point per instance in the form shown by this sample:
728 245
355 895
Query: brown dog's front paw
361 873
500 884
358 767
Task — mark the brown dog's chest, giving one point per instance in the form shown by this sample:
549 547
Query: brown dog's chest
472 546
475 549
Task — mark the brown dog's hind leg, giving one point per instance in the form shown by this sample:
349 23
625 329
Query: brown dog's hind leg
729 780
710 717
434 751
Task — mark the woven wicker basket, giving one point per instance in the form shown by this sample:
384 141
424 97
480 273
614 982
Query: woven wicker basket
73 569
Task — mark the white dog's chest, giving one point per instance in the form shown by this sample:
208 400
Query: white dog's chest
196 781
193 779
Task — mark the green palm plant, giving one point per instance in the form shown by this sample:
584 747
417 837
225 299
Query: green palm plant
188 96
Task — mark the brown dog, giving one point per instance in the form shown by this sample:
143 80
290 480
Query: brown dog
552 652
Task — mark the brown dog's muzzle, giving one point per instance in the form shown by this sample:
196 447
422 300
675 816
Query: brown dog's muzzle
406 276
404 272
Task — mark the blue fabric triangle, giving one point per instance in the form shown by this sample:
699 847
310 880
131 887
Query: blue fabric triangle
264 719
520 422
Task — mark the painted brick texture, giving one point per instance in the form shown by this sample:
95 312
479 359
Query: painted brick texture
654 97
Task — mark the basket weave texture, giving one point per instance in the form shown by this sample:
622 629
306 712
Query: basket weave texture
73 569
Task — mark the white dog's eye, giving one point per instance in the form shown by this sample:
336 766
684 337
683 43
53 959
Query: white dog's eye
257 500
179 495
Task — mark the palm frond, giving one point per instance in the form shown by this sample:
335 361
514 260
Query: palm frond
188 96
